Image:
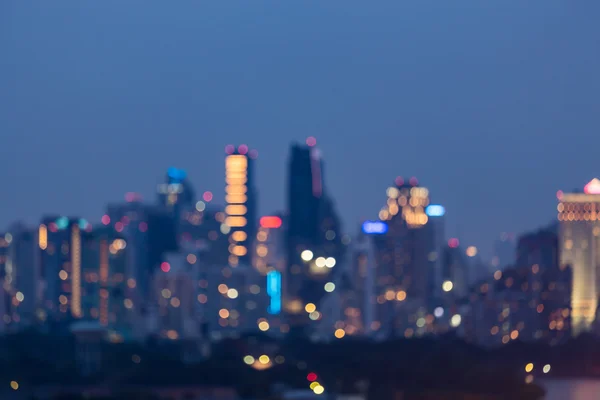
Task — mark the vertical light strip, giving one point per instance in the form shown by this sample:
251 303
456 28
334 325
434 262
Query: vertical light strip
103 282
75 272
43 237
236 175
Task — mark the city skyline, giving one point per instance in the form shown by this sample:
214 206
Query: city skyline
127 112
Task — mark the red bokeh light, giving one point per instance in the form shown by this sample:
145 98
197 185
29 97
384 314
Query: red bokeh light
52 226
165 267
207 196
119 227
270 222
143 227
229 149
253 154
105 219
311 141
311 377
559 194
413 181
242 149
453 243
399 181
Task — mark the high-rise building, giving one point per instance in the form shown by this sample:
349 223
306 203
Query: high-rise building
241 202
405 266
579 243
60 244
313 242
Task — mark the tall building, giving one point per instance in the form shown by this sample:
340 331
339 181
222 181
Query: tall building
60 244
313 242
241 202
579 243
405 265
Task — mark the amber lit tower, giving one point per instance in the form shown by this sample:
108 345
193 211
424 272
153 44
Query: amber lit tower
240 197
579 242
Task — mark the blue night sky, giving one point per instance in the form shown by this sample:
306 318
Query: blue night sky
491 104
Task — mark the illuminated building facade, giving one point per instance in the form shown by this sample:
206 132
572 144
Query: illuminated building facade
579 242
149 232
60 244
405 261
240 198
313 243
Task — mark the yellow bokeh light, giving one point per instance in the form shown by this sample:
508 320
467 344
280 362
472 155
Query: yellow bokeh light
339 333
63 275
264 359
529 367
306 255
447 286
263 326
249 360
319 390
401 295
310 307
224 313
471 251
14 385
232 293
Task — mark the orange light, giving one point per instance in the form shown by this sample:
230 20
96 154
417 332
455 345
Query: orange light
236 210
270 222
239 236
236 198
234 179
236 189
236 222
239 251
236 162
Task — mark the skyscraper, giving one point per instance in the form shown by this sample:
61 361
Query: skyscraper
241 202
60 243
405 264
313 243
579 243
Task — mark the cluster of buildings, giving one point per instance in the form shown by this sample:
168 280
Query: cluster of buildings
183 268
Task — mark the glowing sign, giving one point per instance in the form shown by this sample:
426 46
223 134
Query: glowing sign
374 227
176 174
62 223
270 222
435 210
593 187
274 291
